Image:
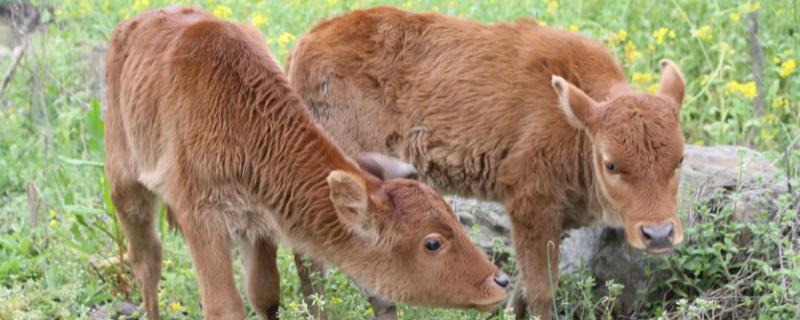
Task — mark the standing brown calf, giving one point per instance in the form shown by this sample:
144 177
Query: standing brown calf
537 118
200 114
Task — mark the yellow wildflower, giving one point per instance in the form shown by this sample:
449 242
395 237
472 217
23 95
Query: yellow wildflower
766 136
781 104
573 28
336 300
754 6
53 222
641 78
732 87
704 33
139 5
284 39
408 5
618 37
661 33
652 89
672 34
175 306
84 8
747 89
787 67
552 6
771 119
331 3
52 213
223 12
294 306
735 16
631 53
259 20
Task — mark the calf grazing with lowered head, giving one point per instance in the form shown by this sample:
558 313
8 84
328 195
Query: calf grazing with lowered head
200 114
538 118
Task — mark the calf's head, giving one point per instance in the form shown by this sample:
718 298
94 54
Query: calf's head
418 250
637 154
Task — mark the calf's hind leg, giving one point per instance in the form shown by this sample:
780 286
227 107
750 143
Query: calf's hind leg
261 276
210 248
135 207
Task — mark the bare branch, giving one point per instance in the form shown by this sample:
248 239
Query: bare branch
757 58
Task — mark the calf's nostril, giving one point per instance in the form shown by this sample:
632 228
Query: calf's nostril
502 280
646 234
658 235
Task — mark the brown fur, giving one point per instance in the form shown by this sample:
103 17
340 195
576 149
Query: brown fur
200 114
485 110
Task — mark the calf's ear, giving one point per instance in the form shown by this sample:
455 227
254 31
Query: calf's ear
579 108
384 167
672 84
351 201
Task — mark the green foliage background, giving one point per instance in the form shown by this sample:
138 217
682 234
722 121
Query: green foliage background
51 141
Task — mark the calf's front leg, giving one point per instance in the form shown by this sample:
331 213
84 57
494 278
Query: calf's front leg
306 267
535 231
384 309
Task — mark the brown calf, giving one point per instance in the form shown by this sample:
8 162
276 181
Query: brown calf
538 118
200 114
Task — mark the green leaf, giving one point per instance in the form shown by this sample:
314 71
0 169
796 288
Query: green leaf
95 126
79 162
9 267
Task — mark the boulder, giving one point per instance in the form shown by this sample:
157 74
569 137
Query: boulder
714 176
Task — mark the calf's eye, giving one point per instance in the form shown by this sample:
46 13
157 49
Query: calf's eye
433 245
610 167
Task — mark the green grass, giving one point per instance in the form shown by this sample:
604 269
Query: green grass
51 140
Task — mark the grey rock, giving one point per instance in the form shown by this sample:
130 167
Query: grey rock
116 310
715 176
487 223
